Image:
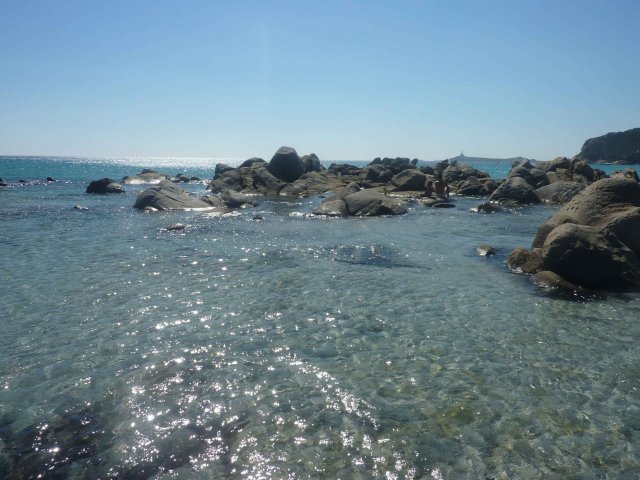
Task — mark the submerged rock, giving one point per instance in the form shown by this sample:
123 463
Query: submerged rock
105 186
146 176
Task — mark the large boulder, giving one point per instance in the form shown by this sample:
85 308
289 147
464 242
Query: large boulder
594 240
352 201
366 203
168 196
105 186
559 192
459 171
614 147
410 179
515 190
147 176
286 165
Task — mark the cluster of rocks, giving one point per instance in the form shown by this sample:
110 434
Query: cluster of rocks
556 181
593 241
22 182
354 201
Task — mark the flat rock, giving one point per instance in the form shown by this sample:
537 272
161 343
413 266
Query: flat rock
168 196
105 186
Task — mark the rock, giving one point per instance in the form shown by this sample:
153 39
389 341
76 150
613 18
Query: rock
592 241
378 173
486 251
614 147
515 190
252 161
332 208
147 176
487 207
311 163
254 179
590 257
351 200
257 218
105 186
80 207
409 179
471 186
442 204
286 165
176 227
3 184
220 169
525 261
312 183
233 199
533 176
559 192
50 179
458 172
551 280
168 196
367 203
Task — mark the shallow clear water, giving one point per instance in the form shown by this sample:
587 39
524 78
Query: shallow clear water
294 346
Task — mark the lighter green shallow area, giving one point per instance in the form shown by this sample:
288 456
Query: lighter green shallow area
300 347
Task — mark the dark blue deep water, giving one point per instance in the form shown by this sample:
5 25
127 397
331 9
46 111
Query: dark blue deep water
295 347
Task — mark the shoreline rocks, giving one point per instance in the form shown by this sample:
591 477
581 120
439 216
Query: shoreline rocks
593 241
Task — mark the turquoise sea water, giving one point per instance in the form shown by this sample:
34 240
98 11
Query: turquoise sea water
295 347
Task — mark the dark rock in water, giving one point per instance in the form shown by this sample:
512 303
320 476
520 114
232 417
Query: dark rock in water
286 165
3 184
105 186
176 227
552 281
194 179
526 261
515 190
486 250
167 196
375 255
367 203
80 207
410 179
22 181
443 205
360 203
233 199
559 192
51 179
594 240
588 256
487 207
332 208
258 217
614 147
146 176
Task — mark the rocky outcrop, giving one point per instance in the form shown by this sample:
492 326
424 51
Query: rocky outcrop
105 186
168 196
147 176
286 165
410 179
252 178
614 147
352 201
313 183
593 241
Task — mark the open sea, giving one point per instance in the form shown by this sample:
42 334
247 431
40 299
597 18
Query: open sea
269 343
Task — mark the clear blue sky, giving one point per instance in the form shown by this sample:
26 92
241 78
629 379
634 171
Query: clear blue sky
347 80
